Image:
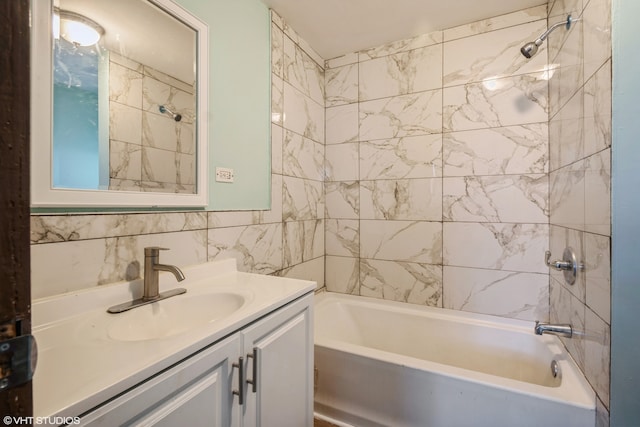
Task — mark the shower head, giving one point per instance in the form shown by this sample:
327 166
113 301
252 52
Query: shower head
531 48
175 116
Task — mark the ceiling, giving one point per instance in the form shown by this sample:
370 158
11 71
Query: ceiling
132 30
336 27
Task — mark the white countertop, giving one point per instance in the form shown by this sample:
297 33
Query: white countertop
80 366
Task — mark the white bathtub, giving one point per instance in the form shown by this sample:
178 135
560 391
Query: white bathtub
381 363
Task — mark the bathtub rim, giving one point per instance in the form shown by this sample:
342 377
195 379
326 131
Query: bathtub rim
574 388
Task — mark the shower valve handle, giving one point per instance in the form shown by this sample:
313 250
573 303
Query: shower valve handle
557 264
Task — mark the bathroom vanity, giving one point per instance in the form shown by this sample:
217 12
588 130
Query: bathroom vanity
235 350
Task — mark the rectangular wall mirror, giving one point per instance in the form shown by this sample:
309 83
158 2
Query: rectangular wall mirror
119 104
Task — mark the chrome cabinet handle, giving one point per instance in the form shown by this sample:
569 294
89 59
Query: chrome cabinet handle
254 357
239 393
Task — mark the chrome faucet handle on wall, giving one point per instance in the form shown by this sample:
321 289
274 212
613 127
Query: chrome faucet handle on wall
568 264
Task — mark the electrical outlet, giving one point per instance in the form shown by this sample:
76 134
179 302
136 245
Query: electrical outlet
224 174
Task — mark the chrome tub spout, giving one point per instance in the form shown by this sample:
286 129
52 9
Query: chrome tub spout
564 330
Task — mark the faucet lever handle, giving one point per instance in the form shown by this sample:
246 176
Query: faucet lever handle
153 250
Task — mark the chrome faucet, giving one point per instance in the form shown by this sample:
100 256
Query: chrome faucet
560 330
152 268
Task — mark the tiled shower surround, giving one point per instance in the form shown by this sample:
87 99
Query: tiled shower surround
437 170
149 151
434 170
580 183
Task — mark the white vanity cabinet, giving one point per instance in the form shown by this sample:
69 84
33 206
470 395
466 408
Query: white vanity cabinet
279 355
204 389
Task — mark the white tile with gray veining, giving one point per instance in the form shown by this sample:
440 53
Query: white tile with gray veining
166 134
597 271
346 59
124 184
508 198
411 241
398 116
566 133
343 275
125 85
567 196
302 72
596 21
302 115
175 83
276 19
125 161
167 166
341 124
341 162
257 248
496 23
277 51
498 55
220 219
342 237
401 73
497 151
602 414
124 123
102 261
342 199
568 77
275 213
302 157
310 270
405 199
156 93
341 85
597 193
407 157
126 62
277 139
401 281
61 228
597 351
422 40
302 241
499 293
511 247
277 100
301 199
558 12
566 309
597 111
495 103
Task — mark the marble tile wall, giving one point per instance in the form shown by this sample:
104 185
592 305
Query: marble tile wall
78 251
148 150
580 171
437 169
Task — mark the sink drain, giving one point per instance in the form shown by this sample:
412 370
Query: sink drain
555 369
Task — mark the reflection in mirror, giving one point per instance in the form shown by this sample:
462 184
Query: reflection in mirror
114 124
120 112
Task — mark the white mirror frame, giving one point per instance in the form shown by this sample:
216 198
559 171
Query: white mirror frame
42 192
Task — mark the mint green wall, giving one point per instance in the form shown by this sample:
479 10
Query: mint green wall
625 211
239 100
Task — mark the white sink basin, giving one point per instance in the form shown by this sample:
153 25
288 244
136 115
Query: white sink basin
172 316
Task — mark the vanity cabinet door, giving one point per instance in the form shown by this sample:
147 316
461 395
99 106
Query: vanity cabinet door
279 355
196 392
